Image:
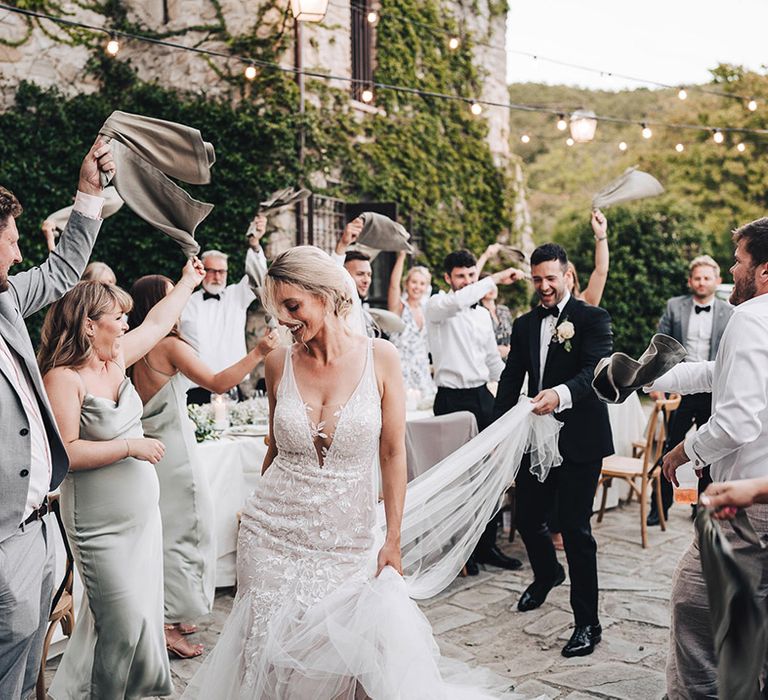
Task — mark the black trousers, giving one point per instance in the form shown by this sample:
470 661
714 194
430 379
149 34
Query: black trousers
694 409
479 402
571 486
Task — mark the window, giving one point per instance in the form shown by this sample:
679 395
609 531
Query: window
362 47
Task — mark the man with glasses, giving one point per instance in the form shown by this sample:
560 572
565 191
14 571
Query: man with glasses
215 316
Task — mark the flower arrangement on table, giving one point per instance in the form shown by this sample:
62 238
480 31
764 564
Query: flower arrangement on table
254 411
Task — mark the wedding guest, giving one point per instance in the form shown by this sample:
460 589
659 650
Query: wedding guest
465 359
556 346
161 379
33 459
734 441
593 292
501 317
358 264
109 498
214 320
100 272
697 321
411 342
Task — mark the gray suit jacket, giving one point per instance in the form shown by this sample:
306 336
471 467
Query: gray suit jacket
30 291
674 322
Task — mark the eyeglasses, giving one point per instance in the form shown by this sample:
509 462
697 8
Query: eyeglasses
215 271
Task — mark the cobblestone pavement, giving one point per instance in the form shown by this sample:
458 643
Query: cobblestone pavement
476 619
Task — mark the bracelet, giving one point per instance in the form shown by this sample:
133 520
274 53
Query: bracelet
127 449
601 238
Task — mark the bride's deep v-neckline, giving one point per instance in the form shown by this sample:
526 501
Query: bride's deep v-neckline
315 432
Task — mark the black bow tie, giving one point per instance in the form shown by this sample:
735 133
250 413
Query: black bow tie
208 295
552 311
699 309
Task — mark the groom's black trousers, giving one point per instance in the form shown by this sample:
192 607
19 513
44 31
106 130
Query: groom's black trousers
572 486
479 402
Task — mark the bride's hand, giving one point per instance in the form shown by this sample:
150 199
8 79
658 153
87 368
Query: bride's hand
389 555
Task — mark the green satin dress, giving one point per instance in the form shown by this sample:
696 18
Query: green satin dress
189 547
112 519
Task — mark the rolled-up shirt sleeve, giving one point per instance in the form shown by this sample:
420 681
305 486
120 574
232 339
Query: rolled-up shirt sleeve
88 205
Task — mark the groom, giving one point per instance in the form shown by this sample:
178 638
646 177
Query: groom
557 346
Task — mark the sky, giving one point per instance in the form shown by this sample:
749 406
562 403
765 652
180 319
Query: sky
674 42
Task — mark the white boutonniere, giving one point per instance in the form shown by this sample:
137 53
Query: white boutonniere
563 333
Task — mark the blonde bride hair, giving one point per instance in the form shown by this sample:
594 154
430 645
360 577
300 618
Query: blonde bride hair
312 270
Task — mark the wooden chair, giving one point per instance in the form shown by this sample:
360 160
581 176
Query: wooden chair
642 468
63 604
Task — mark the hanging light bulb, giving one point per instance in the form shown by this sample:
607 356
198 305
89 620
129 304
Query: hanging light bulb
647 133
372 17
569 141
525 138
250 72
679 148
367 95
562 125
113 45
718 136
622 146
453 43
583 125
476 109
740 147
682 94
752 105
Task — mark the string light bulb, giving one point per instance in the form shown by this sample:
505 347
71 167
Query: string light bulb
647 133
250 72
113 45
372 17
453 43
718 136
562 125
740 147
679 148
569 141
525 138
476 109
682 94
752 105
367 95
622 146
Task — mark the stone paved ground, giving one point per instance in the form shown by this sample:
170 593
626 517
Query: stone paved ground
476 620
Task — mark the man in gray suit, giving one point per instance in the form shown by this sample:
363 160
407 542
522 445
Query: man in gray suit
33 460
697 321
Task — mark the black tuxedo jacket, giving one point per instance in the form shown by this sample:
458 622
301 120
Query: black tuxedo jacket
586 432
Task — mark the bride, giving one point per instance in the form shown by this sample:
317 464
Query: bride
322 610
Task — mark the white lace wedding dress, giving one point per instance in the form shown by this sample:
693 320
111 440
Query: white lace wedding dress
310 620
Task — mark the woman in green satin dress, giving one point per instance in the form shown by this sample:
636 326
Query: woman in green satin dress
162 379
110 496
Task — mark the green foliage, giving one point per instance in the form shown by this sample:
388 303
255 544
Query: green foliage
651 245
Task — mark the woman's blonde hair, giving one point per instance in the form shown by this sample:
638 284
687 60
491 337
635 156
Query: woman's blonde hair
96 270
421 270
314 271
63 340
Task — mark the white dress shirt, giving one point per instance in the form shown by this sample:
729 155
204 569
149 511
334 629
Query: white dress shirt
699 334
734 441
40 466
216 327
547 331
461 338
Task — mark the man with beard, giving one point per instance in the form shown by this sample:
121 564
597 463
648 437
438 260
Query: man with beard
465 358
214 318
557 346
734 441
697 321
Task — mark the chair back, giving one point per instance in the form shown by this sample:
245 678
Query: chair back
68 578
657 430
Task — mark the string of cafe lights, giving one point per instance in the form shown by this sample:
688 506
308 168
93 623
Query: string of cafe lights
476 105
454 41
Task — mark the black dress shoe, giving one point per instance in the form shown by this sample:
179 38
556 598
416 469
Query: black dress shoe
472 568
495 557
583 640
537 593
653 518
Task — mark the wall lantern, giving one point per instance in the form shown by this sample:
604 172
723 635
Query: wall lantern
583 125
309 10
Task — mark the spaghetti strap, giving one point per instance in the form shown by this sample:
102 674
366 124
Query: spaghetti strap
159 371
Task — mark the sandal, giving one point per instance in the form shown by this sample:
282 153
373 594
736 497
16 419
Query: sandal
181 648
187 629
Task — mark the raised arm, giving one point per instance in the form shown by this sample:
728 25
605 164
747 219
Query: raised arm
350 234
394 473
184 358
163 315
490 252
594 291
394 292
